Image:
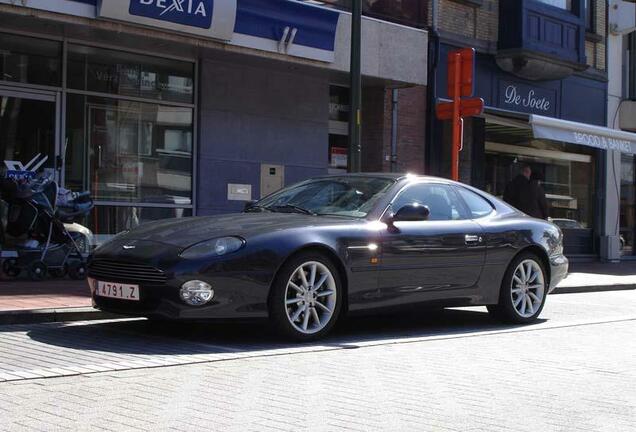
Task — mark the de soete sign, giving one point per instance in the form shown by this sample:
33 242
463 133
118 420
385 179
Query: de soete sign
527 99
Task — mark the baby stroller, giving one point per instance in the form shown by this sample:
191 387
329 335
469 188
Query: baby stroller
38 211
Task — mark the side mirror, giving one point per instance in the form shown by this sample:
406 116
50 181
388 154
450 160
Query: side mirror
413 212
249 204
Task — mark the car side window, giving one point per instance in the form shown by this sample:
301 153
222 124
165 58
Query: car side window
441 200
477 205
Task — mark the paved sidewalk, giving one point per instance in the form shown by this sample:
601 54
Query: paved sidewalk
597 276
21 294
573 371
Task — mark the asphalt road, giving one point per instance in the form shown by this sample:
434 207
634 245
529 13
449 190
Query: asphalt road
453 370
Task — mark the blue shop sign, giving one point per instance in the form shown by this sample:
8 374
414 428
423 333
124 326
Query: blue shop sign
205 18
193 13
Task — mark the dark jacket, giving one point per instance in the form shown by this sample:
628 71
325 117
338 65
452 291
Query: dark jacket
528 196
514 190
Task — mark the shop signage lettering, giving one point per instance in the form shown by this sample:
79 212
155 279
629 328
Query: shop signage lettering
602 142
522 98
530 100
194 13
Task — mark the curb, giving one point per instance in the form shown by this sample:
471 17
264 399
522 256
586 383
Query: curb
38 316
593 288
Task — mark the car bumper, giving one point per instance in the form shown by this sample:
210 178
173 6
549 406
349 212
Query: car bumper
231 301
558 270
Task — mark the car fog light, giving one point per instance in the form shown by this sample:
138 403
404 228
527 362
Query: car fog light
196 292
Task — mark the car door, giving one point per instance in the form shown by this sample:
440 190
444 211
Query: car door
438 258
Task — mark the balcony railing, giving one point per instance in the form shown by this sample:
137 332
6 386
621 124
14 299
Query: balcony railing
412 13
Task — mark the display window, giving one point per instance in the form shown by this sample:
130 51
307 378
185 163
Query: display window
566 174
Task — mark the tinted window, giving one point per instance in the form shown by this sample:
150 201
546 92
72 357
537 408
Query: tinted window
440 199
477 206
107 71
30 60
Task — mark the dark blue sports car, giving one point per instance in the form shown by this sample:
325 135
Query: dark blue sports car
335 245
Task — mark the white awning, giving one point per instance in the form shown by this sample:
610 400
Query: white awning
584 134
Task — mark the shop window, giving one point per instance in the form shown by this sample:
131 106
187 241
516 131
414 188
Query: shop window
126 74
30 60
567 173
105 221
130 152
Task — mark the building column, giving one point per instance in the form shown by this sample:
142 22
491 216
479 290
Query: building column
611 185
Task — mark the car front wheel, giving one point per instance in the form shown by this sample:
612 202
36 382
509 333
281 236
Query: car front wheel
523 291
306 297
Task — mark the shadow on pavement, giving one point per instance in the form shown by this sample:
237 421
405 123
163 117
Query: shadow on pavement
142 337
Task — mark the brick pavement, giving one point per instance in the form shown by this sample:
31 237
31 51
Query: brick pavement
574 371
18 294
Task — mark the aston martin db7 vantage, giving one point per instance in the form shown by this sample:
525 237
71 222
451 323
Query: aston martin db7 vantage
328 246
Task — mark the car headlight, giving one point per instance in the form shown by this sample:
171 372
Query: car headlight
214 247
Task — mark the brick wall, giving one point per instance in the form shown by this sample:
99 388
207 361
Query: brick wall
377 127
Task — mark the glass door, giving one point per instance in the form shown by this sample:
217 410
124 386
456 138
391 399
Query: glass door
28 137
28 132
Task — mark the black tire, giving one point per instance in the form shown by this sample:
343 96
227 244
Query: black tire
505 310
10 267
278 309
37 271
77 271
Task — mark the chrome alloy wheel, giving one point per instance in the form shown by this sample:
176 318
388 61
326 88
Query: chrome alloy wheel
528 288
310 297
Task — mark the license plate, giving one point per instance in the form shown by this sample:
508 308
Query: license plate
117 290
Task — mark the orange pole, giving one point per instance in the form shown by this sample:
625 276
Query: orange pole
457 127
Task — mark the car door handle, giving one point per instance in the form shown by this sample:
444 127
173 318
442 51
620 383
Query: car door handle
471 239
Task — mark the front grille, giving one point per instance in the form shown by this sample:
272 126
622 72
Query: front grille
115 271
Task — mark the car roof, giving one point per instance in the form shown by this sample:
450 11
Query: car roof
393 176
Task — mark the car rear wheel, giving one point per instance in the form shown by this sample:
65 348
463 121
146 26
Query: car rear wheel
523 291
306 297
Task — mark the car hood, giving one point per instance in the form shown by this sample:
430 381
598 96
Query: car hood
184 232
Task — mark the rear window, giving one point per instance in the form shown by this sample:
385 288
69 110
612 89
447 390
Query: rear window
477 205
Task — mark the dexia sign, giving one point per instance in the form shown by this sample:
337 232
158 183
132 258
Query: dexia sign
195 13
207 18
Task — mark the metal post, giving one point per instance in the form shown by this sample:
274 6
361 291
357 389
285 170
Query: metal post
457 122
632 66
356 88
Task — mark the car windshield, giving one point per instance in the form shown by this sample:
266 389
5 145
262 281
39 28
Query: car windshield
339 196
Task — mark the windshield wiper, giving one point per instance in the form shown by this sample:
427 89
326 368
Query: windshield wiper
293 208
256 209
